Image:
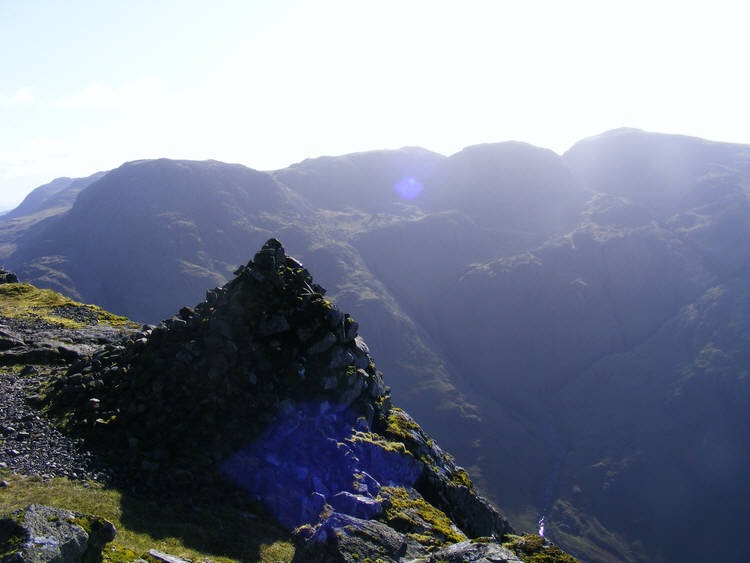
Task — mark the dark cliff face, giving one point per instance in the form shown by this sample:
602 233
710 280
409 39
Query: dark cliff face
529 299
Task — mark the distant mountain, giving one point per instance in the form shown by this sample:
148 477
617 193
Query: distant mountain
42 206
578 314
58 194
152 218
365 181
36 198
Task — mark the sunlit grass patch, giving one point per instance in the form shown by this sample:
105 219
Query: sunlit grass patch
533 549
23 300
217 533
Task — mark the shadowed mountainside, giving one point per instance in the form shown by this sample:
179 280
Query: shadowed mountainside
574 314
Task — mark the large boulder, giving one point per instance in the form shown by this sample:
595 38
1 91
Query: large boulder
42 534
7 277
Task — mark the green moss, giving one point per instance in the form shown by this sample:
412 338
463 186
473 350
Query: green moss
534 549
115 553
460 477
409 513
107 318
23 300
377 440
399 425
90 524
15 537
13 544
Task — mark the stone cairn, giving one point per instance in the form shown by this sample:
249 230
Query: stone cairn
189 392
266 384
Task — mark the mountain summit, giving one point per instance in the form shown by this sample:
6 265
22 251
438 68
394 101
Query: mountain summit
267 385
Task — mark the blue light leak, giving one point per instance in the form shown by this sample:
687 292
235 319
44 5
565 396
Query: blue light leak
310 458
408 188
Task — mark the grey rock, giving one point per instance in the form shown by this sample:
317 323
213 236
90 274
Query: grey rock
343 538
357 385
359 506
270 257
334 316
221 327
341 357
156 556
377 387
473 514
361 362
351 330
7 277
322 345
361 346
8 341
473 552
292 262
273 324
44 534
304 333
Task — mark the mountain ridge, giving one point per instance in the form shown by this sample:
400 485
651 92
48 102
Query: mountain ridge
488 314
292 380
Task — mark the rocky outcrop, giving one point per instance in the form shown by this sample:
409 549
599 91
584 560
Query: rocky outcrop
267 384
41 534
26 342
44 332
7 277
476 552
192 391
39 326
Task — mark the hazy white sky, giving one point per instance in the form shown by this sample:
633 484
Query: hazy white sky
87 85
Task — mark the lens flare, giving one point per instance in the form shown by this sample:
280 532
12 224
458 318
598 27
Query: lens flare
311 456
408 188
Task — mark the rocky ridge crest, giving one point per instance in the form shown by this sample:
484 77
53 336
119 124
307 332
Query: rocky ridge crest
267 384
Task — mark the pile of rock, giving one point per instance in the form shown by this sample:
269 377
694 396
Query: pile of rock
30 445
7 277
268 384
193 390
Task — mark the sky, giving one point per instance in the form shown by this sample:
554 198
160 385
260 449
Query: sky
88 85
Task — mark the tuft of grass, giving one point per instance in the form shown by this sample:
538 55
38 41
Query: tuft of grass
379 441
532 548
399 425
460 477
421 521
218 533
23 300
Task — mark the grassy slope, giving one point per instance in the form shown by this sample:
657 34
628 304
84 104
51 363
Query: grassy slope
218 532
22 300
